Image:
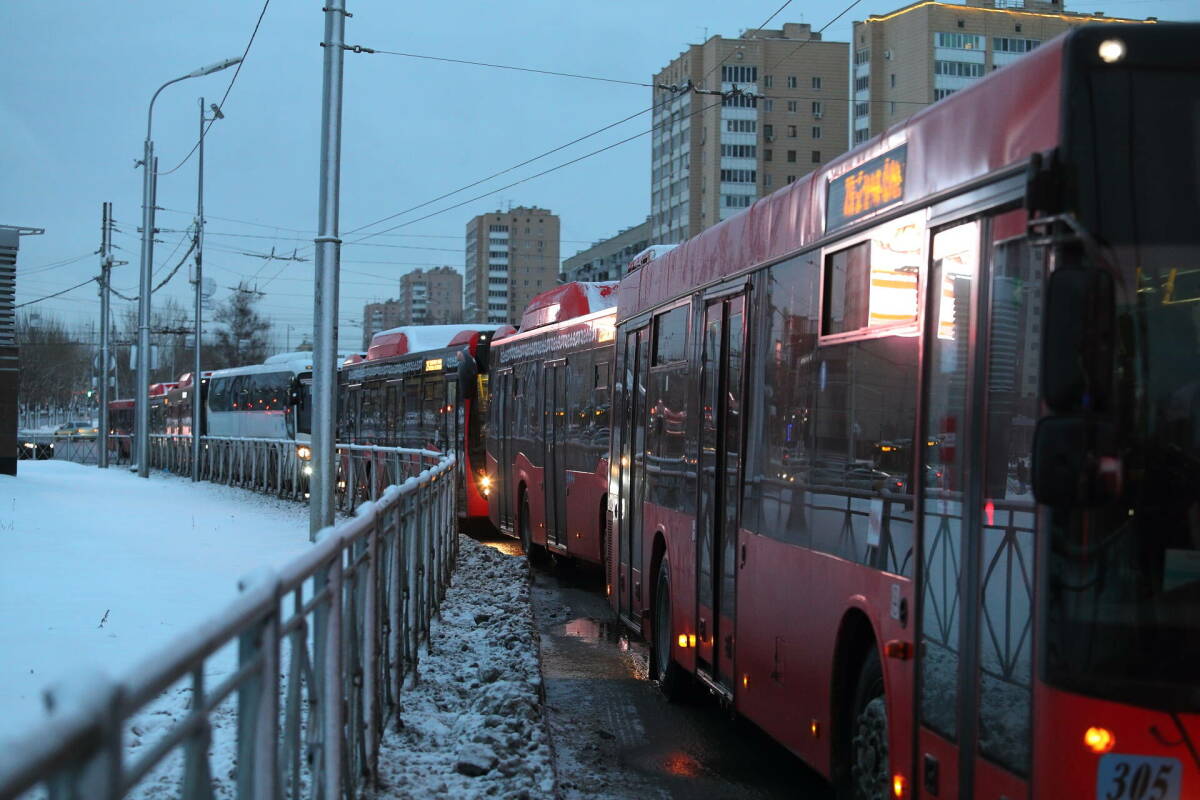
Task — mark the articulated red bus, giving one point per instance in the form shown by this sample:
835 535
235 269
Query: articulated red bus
418 387
906 457
548 422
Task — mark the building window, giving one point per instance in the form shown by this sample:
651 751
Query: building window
791 156
816 156
739 101
816 107
768 132
767 81
768 104
938 94
862 56
739 150
816 132
816 82
739 74
861 135
738 176
767 180
1009 44
741 125
958 69
791 178
960 24
791 131
791 81
860 84
793 106
893 81
766 155
736 200
958 41
862 109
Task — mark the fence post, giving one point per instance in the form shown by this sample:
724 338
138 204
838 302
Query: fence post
258 708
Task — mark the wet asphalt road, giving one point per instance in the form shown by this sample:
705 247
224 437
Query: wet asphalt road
614 734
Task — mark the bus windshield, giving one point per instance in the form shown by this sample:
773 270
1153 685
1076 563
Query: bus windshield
1123 606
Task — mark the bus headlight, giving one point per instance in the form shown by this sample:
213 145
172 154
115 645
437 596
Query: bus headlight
303 452
485 484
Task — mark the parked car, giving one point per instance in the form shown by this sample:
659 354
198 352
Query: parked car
29 450
84 429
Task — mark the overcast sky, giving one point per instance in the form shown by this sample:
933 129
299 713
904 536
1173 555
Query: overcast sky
78 76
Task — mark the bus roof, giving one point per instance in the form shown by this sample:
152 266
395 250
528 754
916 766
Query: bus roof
568 301
994 123
418 338
296 366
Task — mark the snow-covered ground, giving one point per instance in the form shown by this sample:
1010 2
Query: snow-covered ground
99 569
473 723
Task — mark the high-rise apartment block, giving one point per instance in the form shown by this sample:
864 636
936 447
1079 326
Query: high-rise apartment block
431 297
511 256
606 260
379 317
782 113
905 60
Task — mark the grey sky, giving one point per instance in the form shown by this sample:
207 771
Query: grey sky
77 78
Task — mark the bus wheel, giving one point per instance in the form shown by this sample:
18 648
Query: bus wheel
869 734
526 529
667 672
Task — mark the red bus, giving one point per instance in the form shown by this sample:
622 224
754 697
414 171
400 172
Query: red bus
418 387
548 422
934 522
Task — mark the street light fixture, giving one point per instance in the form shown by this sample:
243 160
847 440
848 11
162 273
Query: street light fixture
141 387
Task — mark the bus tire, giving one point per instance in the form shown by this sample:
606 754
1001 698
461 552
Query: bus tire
669 675
526 530
869 769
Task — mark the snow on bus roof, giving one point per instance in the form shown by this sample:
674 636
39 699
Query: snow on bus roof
295 366
418 338
569 301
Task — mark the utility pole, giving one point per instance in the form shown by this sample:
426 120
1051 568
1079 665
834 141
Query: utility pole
105 276
325 288
196 381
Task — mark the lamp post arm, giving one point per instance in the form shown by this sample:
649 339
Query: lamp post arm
150 111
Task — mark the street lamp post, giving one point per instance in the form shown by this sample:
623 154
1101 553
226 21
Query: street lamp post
196 378
141 387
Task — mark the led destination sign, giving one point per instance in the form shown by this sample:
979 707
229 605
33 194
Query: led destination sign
874 185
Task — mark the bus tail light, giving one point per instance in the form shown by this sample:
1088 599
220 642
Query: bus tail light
683 640
899 786
899 649
1099 740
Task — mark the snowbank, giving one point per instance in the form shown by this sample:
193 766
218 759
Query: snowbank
473 722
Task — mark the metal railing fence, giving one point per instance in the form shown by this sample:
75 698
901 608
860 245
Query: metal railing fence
324 646
41 445
273 466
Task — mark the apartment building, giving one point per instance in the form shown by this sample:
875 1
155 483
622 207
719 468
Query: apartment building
379 317
780 114
511 256
606 260
431 297
912 57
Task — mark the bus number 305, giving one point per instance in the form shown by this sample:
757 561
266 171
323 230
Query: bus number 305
1129 777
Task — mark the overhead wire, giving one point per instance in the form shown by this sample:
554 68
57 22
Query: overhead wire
221 105
509 67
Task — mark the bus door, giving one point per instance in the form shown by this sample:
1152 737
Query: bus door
554 438
721 415
501 421
634 364
977 520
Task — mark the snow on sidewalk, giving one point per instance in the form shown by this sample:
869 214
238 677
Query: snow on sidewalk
473 723
99 569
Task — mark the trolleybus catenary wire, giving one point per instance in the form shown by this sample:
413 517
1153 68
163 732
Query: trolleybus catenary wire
221 105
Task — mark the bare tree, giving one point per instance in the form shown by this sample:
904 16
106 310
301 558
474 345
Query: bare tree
243 337
56 364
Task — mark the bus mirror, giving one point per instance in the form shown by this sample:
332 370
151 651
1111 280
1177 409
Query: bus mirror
1073 465
1078 339
466 378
